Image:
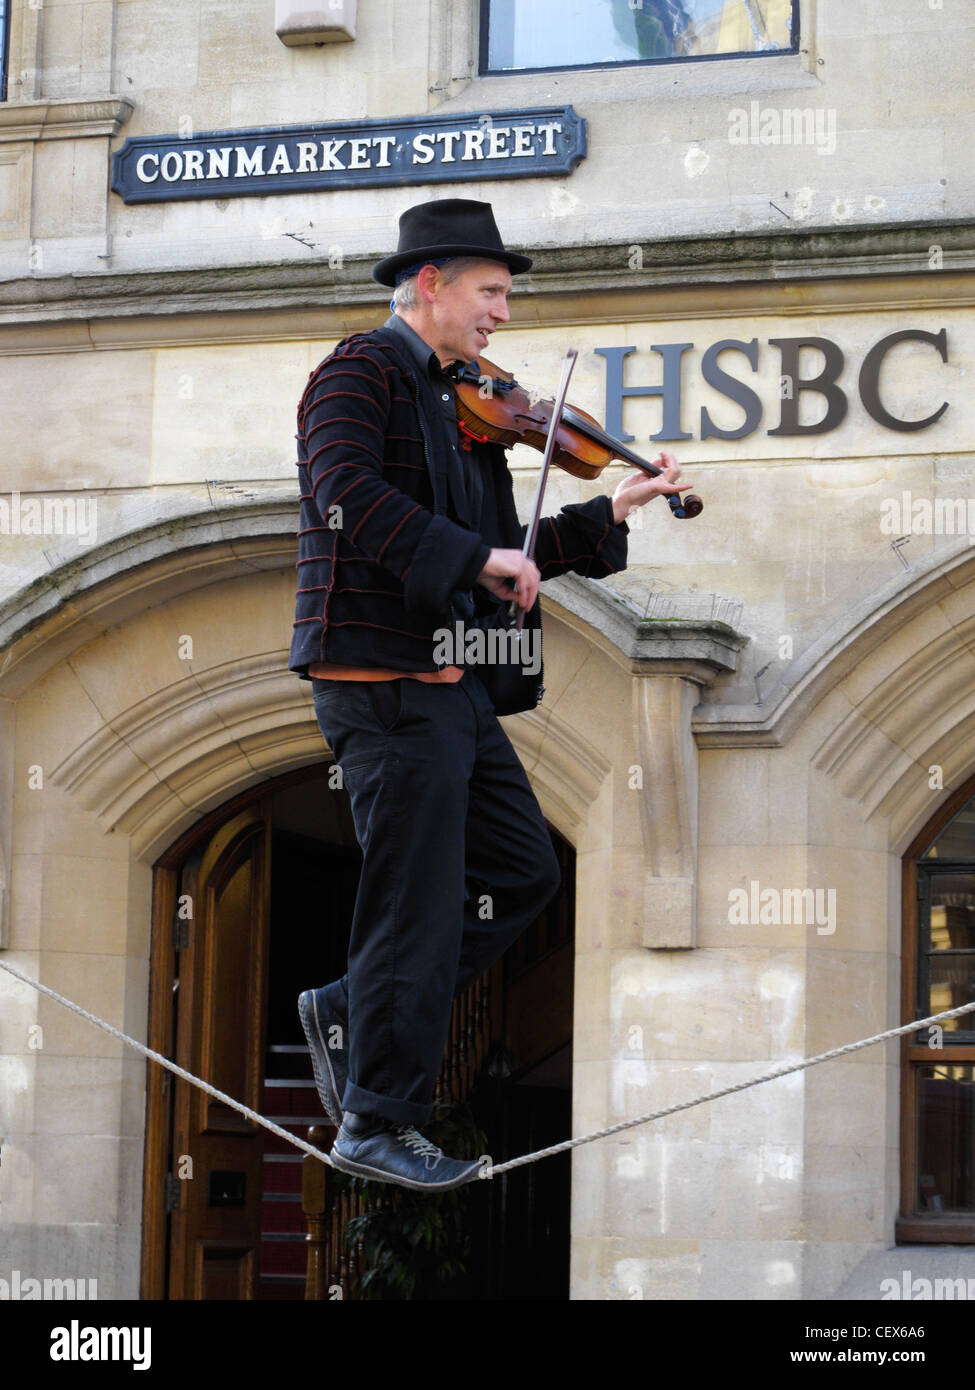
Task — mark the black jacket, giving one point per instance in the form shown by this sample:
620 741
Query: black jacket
382 560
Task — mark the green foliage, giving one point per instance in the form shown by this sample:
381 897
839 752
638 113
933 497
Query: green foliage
417 1245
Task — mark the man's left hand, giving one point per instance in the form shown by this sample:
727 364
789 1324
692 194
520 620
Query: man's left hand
637 489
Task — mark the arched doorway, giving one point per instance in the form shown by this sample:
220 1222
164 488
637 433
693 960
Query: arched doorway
251 906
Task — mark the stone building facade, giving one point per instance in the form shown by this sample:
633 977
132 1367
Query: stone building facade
750 738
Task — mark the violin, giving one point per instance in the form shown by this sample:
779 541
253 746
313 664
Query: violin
493 407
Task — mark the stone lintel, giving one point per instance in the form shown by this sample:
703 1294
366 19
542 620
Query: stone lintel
70 119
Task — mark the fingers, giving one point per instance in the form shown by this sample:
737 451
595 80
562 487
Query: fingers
667 484
511 576
527 581
670 466
644 489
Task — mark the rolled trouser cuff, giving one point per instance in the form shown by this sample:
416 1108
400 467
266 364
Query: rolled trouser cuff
401 1112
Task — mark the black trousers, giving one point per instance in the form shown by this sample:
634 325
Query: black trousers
457 862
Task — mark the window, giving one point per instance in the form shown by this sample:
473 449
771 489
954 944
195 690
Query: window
535 34
4 26
938 1119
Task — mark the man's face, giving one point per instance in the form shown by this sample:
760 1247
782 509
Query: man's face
466 311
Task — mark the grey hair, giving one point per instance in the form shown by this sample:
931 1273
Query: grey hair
404 296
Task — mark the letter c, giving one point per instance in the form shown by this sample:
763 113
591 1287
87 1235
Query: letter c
870 378
140 168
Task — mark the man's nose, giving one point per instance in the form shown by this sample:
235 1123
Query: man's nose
501 312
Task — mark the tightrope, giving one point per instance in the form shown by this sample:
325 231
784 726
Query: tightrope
165 1062
493 1170
784 1070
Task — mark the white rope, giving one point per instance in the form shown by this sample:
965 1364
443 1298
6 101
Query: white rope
170 1066
492 1170
729 1090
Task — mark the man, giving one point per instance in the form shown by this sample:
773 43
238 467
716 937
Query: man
405 531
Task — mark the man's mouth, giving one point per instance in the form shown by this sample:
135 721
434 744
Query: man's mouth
484 333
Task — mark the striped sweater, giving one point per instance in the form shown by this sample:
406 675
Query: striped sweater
382 562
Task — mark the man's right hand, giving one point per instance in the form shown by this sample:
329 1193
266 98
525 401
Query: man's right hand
505 569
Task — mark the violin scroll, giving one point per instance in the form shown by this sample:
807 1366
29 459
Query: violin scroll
685 506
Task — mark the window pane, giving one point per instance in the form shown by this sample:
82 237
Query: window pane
957 840
948 944
563 33
953 911
946 1131
4 10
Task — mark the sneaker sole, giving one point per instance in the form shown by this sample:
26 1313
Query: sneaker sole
363 1170
324 1085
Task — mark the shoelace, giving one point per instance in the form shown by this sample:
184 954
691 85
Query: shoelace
414 1140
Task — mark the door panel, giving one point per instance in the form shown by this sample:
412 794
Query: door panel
216 1154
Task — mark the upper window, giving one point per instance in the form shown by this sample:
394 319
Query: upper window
4 25
518 35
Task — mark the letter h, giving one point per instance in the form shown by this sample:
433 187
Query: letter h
669 390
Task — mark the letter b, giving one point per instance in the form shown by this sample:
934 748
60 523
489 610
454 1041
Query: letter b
824 383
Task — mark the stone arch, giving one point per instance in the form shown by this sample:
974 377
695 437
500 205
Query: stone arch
225 581
878 699
903 716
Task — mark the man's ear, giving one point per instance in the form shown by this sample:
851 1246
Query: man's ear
428 282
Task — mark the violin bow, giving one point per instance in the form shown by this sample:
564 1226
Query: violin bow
528 549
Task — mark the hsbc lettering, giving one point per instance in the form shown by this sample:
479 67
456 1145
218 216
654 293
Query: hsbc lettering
792 385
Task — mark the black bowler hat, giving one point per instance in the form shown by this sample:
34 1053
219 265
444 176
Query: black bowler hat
448 227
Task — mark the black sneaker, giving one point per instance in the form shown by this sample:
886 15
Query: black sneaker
383 1151
330 1064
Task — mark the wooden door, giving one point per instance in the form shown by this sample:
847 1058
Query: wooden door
214 1178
